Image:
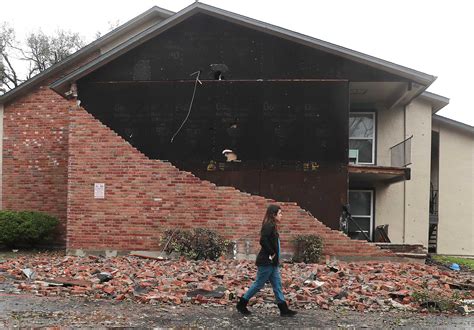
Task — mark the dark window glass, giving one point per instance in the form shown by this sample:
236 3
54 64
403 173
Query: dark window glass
365 149
360 202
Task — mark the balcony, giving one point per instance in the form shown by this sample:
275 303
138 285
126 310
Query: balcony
400 154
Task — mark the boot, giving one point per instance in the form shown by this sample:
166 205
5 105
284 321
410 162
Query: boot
242 306
285 311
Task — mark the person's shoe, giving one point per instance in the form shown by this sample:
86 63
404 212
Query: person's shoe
242 306
285 311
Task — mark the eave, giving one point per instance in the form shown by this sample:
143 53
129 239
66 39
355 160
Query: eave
83 53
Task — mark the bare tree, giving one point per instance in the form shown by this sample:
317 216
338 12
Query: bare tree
43 51
39 52
8 46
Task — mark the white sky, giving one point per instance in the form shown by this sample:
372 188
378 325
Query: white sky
435 37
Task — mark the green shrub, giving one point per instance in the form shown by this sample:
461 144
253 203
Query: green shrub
308 248
178 241
197 244
26 228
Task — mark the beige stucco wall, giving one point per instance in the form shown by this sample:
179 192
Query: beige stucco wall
389 197
389 209
404 206
418 124
456 196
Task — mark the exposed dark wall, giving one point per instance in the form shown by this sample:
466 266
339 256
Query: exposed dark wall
261 121
202 40
320 188
291 137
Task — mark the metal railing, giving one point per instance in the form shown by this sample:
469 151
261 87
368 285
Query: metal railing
346 218
400 154
433 202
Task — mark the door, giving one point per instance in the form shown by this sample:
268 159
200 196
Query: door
362 209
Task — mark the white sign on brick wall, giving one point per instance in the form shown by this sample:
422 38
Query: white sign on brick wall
99 190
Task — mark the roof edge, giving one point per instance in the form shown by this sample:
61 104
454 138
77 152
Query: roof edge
84 52
416 76
437 101
453 123
412 74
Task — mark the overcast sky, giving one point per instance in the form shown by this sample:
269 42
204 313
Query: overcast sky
435 37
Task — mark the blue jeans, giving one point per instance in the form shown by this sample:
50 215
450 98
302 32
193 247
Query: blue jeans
264 274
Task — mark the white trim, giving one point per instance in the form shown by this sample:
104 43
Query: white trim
374 140
371 216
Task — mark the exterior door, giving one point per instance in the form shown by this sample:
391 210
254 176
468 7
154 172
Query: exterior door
362 209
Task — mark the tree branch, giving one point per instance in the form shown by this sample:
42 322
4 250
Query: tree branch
11 73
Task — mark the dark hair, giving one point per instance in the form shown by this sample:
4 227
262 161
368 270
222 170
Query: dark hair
271 213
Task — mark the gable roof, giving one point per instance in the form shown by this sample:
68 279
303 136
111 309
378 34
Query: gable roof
82 54
63 84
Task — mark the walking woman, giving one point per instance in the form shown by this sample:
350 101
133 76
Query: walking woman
268 263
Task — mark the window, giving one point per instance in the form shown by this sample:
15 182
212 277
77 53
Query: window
361 207
362 136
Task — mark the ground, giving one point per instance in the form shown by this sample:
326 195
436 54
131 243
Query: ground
51 289
27 310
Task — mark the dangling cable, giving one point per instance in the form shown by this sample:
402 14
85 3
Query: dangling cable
190 104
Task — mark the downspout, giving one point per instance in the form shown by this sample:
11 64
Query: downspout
404 181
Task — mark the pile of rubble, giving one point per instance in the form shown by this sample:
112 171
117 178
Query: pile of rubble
369 286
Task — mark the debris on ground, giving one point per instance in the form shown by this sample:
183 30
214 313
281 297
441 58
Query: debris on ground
29 273
455 267
362 286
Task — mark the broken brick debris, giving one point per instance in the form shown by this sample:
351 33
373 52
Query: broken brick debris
369 286
67 281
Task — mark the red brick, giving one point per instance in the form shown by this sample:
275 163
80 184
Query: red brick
77 150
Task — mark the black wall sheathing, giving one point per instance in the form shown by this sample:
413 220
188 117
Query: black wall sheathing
260 121
291 137
202 40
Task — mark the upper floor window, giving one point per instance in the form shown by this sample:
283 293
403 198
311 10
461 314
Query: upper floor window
362 137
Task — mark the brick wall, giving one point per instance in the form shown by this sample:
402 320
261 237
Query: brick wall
144 197
35 151
35 135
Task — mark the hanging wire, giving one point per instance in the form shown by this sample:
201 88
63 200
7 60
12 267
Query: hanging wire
190 104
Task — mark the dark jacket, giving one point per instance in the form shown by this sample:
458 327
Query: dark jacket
269 242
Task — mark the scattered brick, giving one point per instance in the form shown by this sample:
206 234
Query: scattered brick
363 286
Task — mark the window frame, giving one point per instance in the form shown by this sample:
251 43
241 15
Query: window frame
374 140
372 210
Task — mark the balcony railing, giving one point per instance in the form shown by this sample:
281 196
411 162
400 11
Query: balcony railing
400 154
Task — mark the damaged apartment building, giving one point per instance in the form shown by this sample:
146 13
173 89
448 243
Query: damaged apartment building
201 118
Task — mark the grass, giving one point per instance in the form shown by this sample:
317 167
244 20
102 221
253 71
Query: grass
463 262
